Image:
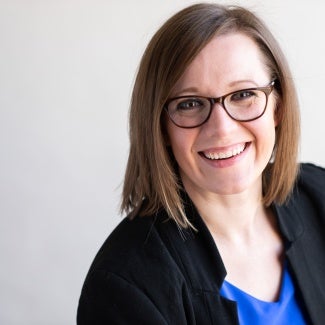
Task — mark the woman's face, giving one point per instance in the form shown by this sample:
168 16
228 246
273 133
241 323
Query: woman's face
228 63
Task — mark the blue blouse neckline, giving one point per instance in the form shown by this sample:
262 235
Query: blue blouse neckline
254 311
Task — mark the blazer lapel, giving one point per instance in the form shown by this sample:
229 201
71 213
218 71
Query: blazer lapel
305 246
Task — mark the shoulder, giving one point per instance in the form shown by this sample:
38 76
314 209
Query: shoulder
312 174
311 181
305 208
134 264
134 246
306 205
139 252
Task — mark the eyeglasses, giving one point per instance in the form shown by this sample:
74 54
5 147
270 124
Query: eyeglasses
242 105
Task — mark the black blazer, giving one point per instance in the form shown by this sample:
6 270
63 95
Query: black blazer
150 272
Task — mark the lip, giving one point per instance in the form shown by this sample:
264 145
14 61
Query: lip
240 151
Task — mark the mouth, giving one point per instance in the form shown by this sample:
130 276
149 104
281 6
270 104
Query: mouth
223 154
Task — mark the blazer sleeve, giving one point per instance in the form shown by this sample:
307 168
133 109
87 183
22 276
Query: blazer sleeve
107 298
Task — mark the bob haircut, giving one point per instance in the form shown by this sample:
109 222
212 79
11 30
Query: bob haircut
151 180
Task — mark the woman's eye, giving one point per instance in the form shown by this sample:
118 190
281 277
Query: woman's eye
243 95
190 104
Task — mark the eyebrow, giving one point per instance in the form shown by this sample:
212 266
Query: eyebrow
189 90
236 82
195 90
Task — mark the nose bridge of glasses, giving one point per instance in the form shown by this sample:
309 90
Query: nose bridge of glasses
220 116
217 100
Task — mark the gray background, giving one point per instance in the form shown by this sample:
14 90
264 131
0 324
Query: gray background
66 74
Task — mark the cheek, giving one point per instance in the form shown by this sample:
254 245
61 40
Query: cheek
263 130
180 140
177 143
265 139
269 120
274 108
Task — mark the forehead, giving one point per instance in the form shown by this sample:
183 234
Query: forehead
225 60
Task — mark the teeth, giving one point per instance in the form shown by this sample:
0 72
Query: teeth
225 155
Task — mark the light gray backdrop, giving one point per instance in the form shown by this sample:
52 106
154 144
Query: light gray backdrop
66 73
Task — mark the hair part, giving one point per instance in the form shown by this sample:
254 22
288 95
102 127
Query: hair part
151 179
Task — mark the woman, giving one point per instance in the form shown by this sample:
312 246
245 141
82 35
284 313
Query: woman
224 226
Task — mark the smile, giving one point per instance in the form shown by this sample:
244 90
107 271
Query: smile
226 154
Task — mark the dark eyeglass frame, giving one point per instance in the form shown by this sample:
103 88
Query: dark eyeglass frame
220 100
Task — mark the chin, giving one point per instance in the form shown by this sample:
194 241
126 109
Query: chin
237 186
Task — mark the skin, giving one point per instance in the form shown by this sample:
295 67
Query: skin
228 192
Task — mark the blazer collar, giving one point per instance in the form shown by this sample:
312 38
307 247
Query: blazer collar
289 220
195 251
208 272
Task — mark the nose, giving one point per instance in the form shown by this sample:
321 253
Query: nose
219 122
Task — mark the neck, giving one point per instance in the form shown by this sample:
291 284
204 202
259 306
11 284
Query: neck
232 216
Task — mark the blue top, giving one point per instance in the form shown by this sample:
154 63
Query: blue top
253 311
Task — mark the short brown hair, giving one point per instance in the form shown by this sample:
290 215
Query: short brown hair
151 179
